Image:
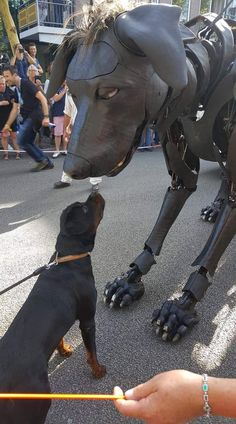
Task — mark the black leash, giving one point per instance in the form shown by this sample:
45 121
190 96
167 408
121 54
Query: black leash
38 271
34 274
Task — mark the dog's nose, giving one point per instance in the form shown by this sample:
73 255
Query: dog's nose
76 166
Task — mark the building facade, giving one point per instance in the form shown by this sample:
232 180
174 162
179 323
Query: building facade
46 22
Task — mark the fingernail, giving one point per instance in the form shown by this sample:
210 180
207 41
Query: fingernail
129 394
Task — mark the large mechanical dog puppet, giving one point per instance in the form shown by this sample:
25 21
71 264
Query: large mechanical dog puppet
144 67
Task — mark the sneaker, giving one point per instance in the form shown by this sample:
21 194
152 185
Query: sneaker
44 164
95 188
61 184
50 165
55 155
5 157
17 156
64 152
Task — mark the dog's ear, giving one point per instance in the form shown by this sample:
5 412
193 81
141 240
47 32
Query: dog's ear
60 64
75 219
152 30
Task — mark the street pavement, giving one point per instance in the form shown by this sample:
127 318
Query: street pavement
126 343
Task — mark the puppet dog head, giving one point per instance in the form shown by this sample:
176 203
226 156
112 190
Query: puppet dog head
78 226
119 83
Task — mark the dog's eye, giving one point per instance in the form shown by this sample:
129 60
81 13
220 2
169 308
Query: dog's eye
106 93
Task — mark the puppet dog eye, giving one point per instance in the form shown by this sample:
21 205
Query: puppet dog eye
106 93
85 209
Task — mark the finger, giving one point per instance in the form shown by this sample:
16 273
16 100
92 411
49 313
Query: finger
164 313
190 321
180 333
213 216
129 408
126 407
117 297
143 390
110 289
205 210
155 316
117 391
126 301
208 213
171 323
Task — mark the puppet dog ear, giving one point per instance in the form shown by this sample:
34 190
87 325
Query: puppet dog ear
60 64
153 31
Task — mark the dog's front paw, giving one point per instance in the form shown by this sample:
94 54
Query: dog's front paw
99 371
64 349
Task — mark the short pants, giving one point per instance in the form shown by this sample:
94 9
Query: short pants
59 128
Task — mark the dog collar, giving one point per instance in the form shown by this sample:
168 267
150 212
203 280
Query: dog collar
70 257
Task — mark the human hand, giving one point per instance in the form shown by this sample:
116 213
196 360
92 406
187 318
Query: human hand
38 82
173 397
6 130
45 121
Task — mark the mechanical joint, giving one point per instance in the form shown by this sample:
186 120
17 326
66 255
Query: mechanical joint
197 285
144 261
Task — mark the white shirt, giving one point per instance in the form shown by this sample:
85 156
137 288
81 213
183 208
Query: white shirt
70 108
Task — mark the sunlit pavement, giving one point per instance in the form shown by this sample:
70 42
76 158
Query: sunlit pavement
126 344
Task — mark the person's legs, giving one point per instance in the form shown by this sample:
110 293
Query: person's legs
65 181
65 144
25 139
15 145
5 146
58 133
148 139
57 139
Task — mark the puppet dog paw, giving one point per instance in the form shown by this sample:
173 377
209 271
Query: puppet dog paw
124 289
173 320
210 213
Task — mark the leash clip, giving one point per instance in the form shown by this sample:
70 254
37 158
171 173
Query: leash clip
55 262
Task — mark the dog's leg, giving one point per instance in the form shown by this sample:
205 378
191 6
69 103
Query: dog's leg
64 348
88 335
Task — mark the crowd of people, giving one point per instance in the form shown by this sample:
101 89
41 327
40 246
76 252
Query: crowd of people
24 110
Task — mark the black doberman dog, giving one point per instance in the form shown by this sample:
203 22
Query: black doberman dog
62 294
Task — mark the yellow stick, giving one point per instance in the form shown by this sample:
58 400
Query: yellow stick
62 396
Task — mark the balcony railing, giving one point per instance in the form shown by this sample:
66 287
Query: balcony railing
54 13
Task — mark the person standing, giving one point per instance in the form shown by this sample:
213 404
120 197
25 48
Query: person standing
57 111
21 60
32 51
9 106
70 113
33 75
34 112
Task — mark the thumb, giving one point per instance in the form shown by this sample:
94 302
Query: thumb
130 408
142 390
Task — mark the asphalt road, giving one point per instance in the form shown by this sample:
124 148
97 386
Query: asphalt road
126 344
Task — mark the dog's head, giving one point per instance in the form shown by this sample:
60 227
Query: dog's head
119 83
78 226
